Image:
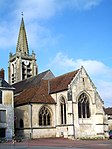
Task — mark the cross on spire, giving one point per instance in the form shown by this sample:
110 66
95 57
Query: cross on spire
22 14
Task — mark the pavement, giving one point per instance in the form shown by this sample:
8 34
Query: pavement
58 143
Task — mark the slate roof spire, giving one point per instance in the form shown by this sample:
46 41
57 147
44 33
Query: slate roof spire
22 44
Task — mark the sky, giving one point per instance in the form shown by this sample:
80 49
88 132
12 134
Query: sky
65 35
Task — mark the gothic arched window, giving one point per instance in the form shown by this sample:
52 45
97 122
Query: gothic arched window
83 106
21 123
44 117
63 110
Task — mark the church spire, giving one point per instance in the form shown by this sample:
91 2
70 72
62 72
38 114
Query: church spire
22 44
21 64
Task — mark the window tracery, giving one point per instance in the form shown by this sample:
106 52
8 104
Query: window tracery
83 106
44 117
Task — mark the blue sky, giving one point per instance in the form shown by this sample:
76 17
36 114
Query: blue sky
65 34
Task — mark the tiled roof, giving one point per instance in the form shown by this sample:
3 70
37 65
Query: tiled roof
108 111
36 94
33 81
38 90
61 83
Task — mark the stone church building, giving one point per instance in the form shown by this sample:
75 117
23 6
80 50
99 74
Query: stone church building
47 106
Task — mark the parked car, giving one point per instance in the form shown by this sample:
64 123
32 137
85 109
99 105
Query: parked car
110 134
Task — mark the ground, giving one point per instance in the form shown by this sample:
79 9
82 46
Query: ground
58 143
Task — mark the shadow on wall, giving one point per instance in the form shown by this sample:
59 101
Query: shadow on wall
19 122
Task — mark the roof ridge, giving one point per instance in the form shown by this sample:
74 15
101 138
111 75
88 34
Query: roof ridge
65 74
31 77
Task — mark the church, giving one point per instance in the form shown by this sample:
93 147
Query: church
45 106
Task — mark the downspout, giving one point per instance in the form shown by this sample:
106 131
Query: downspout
30 119
73 118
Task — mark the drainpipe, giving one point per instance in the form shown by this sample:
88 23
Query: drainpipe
30 119
73 118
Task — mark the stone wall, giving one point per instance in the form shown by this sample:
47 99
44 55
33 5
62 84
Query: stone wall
8 107
30 116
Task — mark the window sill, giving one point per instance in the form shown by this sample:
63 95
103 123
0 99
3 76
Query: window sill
85 121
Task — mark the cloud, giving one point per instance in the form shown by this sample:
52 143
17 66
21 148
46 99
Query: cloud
94 67
98 72
42 9
41 35
8 35
34 11
84 4
105 90
36 33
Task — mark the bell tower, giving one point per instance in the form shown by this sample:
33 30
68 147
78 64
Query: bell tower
21 64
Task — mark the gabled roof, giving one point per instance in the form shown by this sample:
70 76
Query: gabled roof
60 83
4 84
108 110
33 81
38 89
36 94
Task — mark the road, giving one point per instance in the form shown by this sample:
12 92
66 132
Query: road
36 147
58 143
